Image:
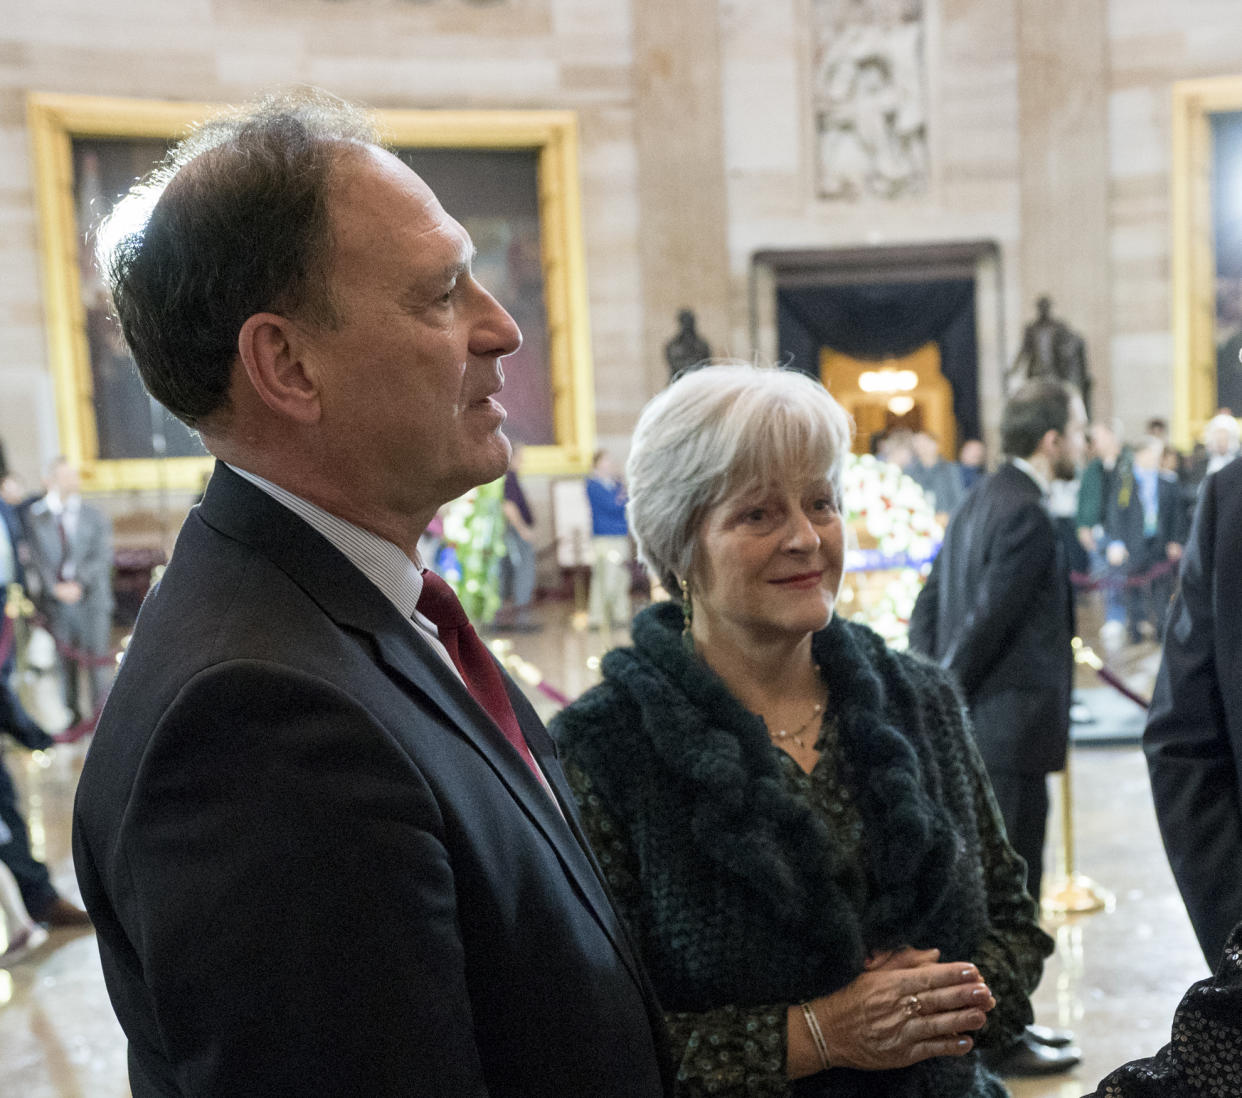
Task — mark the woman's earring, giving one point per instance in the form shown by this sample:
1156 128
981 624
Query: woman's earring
687 609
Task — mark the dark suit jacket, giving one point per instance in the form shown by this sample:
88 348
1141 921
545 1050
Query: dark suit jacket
315 865
1125 520
1193 739
996 612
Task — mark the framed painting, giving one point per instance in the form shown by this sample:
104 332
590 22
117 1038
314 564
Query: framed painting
510 177
1206 251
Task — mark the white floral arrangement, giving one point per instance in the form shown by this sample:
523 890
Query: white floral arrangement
891 509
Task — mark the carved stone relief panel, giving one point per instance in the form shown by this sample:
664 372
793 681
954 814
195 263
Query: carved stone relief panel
869 84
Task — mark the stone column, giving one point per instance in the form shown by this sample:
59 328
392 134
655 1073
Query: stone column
681 175
1063 69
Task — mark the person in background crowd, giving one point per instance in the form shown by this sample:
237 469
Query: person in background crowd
1178 465
34 883
897 448
792 816
1108 461
1193 739
22 935
609 602
326 840
940 480
1221 444
972 463
13 492
518 565
1158 427
1144 533
1063 509
70 544
997 612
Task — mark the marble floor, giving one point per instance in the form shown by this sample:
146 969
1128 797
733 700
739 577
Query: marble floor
1115 979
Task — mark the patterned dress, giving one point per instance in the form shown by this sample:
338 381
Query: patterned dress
739 1049
1204 1058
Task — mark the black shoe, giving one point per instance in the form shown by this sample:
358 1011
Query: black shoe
1053 1038
1027 1057
60 912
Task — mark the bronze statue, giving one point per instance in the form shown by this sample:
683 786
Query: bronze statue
1051 348
687 348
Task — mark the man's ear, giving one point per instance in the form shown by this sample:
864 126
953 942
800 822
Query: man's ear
1050 443
273 353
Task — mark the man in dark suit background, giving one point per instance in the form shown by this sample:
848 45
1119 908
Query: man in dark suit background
1144 529
325 841
1193 739
34 882
70 543
996 611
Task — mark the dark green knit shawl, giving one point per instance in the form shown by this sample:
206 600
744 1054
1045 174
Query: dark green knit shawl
741 900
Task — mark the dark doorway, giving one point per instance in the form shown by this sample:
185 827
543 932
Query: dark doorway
884 303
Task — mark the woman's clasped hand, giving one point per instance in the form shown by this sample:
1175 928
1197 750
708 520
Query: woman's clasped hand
906 1007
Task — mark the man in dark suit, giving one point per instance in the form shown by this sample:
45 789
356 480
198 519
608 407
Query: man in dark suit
1193 739
1144 529
70 543
325 841
996 611
34 882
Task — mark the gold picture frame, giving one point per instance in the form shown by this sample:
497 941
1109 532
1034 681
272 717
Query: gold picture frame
1193 250
55 121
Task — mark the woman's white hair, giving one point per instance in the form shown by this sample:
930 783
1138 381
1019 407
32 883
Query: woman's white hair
716 431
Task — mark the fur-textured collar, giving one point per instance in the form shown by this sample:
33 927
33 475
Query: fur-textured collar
743 815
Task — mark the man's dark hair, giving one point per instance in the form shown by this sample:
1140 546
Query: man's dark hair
233 222
1040 406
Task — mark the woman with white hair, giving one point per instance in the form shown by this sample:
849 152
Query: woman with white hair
793 818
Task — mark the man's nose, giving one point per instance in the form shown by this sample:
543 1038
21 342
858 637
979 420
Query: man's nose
495 333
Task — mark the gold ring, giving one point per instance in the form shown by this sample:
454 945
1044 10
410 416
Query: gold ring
912 1005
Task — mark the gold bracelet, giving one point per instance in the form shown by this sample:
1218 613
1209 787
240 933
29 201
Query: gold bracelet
817 1035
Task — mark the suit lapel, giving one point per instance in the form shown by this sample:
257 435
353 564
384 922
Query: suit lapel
242 511
46 538
409 656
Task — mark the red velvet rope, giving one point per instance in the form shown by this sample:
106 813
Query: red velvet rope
77 655
1085 583
6 638
1115 681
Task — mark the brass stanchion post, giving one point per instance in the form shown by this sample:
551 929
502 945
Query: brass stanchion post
1073 893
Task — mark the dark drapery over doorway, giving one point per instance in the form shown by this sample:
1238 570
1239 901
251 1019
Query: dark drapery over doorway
887 320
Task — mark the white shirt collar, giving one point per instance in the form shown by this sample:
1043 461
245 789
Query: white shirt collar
383 563
1033 473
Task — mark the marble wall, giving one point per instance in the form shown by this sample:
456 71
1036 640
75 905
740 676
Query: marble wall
387 53
1047 128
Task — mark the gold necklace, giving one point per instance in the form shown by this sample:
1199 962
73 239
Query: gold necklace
797 734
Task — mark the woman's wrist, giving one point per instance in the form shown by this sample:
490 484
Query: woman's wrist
817 1035
802 1053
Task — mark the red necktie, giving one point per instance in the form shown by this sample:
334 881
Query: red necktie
64 546
470 656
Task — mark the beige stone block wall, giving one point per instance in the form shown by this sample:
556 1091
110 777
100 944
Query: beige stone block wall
973 133
745 149
1153 44
388 53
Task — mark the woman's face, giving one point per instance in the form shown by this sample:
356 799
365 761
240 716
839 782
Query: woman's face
769 563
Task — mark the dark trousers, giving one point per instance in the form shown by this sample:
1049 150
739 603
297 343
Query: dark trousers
1023 802
1148 601
83 627
33 879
